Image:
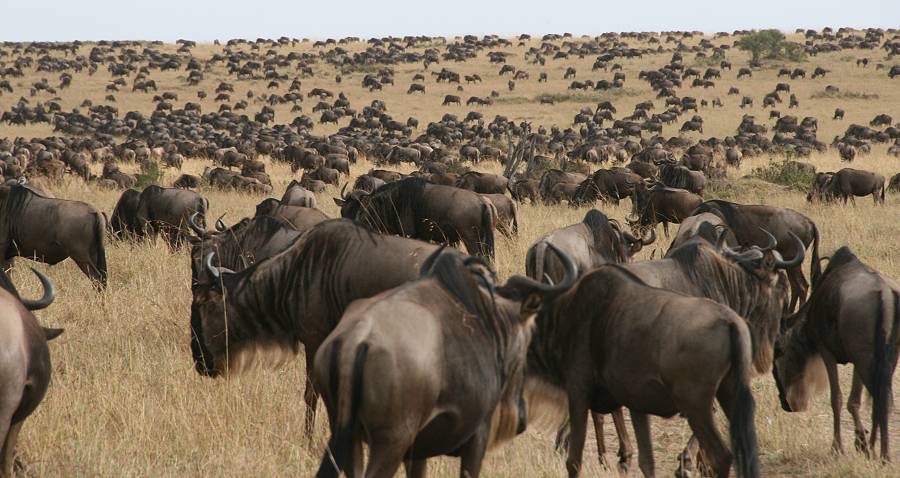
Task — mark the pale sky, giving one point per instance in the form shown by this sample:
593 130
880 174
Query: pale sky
168 20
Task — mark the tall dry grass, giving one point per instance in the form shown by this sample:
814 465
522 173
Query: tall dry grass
125 400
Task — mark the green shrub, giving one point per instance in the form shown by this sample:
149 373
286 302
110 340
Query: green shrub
771 45
793 174
150 174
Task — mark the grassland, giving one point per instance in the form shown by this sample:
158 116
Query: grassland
125 400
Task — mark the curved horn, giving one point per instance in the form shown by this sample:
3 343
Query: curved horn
568 280
220 225
193 223
49 293
216 272
797 260
629 237
344 196
773 243
652 238
548 278
429 261
721 246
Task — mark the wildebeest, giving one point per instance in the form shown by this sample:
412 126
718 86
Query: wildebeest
458 369
506 214
612 341
123 221
51 230
315 279
451 99
752 224
609 185
661 204
414 208
704 226
594 241
25 367
165 211
849 183
554 177
483 183
299 218
297 195
852 316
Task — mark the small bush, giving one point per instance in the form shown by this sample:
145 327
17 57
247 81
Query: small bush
150 174
793 174
771 45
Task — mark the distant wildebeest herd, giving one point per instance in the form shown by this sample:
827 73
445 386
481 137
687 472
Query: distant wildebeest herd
417 348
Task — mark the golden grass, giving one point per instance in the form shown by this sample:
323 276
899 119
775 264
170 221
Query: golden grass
125 400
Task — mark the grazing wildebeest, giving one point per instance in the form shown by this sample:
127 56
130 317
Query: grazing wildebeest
661 204
594 241
299 218
414 208
166 211
51 230
314 280
681 177
451 99
458 369
484 183
123 222
752 224
237 247
849 183
609 185
554 177
852 316
25 365
297 195
506 214
592 342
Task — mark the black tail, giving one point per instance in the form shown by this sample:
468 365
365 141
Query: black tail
487 229
100 250
885 360
743 409
815 266
339 454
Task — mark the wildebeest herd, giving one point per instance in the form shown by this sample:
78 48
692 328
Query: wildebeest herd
393 257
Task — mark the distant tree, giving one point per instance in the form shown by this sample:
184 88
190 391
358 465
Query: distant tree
771 44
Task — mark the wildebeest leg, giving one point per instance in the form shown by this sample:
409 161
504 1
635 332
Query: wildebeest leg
836 399
578 411
641 424
713 449
472 454
416 468
310 396
386 455
601 442
625 449
686 459
9 449
854 402
799 286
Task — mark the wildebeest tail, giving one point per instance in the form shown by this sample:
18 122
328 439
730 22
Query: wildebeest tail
815 266
885 360
338 456
487 228
743 408
99 249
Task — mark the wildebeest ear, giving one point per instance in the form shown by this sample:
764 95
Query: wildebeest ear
532 304
340 202
51 334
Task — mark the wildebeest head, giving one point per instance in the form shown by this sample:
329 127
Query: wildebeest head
761 261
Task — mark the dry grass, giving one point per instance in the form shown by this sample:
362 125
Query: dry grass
125 400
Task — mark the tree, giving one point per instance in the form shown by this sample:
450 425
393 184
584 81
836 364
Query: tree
772 43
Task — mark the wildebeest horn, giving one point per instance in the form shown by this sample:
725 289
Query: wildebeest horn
568 280
429 261
773 243
652 238
193 223
721 247
629 237
49 293
216 272
548 278
220 225
797 260
344 196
